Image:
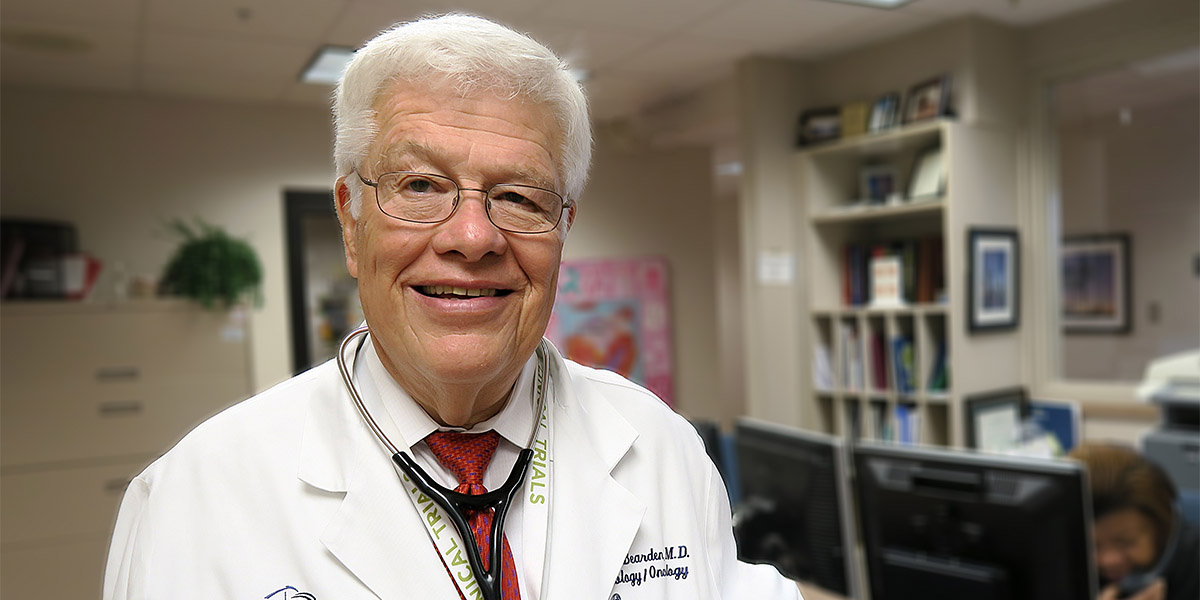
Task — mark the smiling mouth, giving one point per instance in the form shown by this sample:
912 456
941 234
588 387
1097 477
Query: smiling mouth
458 293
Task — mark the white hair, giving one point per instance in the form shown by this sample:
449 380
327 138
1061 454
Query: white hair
477 55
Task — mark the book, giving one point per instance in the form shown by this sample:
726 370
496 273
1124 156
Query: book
938 375
908 424
879 378
822 370
902 359
921 277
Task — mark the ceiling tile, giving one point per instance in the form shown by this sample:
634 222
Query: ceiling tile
683 57
79 11
592 48
867 31
306 20
361 21
191 52
767 25
1014 12
102 45
210 85
74 76
506 11
661 16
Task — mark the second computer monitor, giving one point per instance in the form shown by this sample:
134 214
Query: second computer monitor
942 525
795 511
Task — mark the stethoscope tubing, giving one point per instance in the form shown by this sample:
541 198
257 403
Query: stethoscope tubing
454 503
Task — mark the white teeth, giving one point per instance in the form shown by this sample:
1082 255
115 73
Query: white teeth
438 290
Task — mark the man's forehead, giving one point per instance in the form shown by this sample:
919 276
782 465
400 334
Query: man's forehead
408 152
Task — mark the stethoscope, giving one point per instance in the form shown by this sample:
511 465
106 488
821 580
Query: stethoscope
451 501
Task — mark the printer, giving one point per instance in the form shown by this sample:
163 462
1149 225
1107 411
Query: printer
1173 383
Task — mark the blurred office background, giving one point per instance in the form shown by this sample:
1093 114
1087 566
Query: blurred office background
1070 127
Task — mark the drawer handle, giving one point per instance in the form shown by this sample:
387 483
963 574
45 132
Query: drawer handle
117 485
120 409
117 373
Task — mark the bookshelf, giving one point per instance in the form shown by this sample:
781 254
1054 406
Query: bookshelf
900 373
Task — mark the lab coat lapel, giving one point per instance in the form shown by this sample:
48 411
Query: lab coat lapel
593 518
375 532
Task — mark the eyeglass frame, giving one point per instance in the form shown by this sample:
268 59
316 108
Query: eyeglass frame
487 200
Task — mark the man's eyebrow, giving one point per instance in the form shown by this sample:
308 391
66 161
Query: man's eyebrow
409 149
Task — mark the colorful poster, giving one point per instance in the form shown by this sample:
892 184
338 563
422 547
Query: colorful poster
615 314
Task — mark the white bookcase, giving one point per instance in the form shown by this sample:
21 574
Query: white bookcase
979 191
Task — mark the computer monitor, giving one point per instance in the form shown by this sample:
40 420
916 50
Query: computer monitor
795 511
710 432
947 525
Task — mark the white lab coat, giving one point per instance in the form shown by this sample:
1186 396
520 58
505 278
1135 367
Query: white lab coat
288 493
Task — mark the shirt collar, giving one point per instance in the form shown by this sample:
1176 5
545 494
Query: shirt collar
412 424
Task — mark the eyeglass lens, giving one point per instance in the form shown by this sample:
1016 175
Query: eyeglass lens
426 198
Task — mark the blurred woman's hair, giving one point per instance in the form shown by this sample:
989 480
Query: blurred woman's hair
1121 479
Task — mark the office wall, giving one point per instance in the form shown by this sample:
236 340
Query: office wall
120 167
642 201
1138 179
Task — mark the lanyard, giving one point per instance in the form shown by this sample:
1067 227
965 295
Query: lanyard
439 507
536 493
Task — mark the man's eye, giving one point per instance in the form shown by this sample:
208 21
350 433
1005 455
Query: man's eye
511 198
419 185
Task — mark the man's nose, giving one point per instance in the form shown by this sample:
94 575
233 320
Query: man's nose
469 231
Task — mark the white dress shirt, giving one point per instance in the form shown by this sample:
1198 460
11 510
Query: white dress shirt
407 424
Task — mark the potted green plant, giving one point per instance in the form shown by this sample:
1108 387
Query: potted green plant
212 267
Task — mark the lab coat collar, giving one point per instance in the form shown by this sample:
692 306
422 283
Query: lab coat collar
373 532
593 519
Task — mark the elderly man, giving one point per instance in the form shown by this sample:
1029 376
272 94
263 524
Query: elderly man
461 149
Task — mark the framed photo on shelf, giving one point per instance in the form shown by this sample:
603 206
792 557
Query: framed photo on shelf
819 125
927 100
993 276
885 113
1096 284
927 180
993 419
877 183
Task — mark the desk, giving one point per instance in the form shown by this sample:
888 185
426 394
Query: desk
813 592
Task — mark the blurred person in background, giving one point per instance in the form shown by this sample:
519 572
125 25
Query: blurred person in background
1144 548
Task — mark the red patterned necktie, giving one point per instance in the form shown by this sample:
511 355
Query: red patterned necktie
467 456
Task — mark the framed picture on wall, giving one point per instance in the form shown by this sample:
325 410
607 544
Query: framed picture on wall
1096 284
993 297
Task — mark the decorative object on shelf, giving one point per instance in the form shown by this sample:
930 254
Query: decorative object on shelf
1096 284
928 100
993 296
927 180
877 183
819 125
993 419
886 282
885 113
211 267
854 118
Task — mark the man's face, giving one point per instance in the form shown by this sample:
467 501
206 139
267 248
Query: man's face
427 335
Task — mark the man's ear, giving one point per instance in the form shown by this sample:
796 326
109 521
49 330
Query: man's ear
341 195
571 215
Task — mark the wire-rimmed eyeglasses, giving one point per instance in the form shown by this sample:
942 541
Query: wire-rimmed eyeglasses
428 198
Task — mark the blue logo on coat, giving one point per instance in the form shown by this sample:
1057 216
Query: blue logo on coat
289 593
